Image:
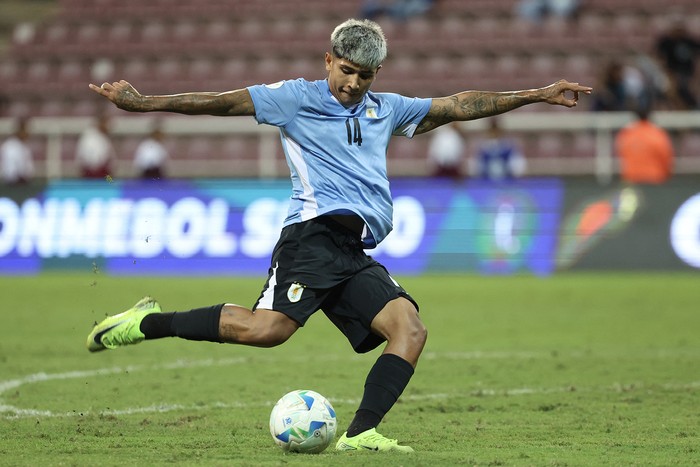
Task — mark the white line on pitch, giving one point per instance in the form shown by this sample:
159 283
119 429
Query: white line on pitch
16 412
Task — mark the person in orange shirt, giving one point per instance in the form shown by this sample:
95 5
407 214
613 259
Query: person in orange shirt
645 151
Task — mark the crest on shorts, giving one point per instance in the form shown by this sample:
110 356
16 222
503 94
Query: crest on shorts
294 292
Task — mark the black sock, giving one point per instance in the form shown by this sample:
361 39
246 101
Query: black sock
385 382
200 324
157 325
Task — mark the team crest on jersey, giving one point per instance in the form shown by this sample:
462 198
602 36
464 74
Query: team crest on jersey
294 292
371 112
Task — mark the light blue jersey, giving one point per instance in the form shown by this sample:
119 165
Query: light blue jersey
337 155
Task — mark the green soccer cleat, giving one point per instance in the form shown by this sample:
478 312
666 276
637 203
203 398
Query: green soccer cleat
122 329
369 440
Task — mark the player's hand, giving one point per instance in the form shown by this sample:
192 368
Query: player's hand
122 94
564 93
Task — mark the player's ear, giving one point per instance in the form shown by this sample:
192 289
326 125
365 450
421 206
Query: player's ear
329 61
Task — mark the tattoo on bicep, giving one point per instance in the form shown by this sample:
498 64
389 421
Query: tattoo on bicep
240 104
440 113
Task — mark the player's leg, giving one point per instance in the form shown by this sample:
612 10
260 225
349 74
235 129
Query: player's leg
261 328
219 323
399 324
227 323
373 308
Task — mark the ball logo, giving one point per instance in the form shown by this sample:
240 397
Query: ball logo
294 292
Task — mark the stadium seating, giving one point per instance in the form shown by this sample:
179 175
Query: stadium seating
159 41
179 45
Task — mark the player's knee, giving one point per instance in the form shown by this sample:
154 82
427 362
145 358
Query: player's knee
399 321
415 327
417 331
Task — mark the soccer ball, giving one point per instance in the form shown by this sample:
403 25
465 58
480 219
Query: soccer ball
303 421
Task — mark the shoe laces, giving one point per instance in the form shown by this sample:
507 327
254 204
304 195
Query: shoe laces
118 335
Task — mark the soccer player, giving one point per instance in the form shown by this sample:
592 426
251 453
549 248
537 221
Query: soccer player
335 134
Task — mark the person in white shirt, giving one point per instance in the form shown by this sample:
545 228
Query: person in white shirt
95 151
446 151
16 157
150 156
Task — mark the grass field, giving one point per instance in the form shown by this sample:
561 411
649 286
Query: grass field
577 369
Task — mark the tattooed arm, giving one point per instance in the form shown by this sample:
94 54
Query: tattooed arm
230 103
470 105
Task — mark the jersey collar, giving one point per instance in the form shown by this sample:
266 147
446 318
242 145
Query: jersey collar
351 110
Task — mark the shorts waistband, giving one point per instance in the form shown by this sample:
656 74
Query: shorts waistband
351 222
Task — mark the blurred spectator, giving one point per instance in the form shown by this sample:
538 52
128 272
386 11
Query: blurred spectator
151 155
656 82
498 157
678 50
536 10
621 88
16 156
397 9
446 151
95 151
645 151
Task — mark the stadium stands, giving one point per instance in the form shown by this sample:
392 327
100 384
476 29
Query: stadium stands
149 41
180 45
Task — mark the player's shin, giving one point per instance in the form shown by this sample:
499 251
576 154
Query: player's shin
199 324
384 384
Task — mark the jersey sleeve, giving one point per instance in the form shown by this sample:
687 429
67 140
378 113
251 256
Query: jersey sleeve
276 104
408 113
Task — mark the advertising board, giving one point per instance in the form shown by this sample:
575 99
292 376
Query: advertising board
185 227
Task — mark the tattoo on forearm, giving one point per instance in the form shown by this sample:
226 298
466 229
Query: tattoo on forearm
485 104
471 105
212 103
191 103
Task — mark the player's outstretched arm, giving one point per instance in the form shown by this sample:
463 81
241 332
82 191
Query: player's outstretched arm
471 105
126 97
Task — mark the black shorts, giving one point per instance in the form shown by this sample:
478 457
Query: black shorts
321 265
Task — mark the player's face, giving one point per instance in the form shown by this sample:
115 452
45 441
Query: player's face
348 82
